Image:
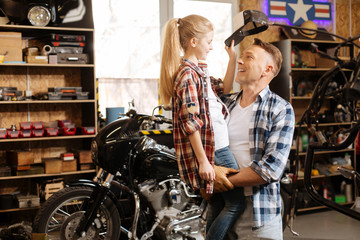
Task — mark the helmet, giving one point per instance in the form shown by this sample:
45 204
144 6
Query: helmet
308 33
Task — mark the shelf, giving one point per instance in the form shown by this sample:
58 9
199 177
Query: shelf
46 65
314 69
19 209
48 175
306 98
46 138
327 124
47 28
322 176
319 207
47 101
327 152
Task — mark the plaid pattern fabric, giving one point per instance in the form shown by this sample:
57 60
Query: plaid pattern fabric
272 133
190 114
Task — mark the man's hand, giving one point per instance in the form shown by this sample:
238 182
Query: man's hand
222 183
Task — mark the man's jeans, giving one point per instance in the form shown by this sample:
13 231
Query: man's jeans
243 226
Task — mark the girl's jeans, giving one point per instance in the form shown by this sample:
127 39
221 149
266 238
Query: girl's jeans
224 208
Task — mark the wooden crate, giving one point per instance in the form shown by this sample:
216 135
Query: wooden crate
52 188
69 165
53 165
84 156
86 166
20 158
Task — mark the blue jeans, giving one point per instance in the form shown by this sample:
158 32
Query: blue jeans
224 208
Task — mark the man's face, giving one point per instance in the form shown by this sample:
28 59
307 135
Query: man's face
251 65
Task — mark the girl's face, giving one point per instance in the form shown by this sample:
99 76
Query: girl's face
203 46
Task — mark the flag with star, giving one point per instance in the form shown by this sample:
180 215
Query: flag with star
299 11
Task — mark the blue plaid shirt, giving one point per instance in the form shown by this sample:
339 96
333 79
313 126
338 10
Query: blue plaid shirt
272 133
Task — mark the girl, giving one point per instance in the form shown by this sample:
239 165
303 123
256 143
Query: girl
199 125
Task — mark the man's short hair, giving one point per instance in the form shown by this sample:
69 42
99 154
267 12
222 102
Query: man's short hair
274 53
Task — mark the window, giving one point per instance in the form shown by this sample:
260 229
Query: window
127 46
220 14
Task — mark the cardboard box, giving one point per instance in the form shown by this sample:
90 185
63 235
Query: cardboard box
11 43
36 59
53 165
86 166
84 156
20 158
308 58
324 62
69 165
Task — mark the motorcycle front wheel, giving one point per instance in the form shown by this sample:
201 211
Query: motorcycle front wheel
62 212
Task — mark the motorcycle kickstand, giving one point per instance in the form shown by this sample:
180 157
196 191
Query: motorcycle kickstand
291 223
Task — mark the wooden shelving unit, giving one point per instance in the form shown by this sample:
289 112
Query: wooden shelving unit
285 84
38 78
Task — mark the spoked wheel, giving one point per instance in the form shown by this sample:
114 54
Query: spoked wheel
62 212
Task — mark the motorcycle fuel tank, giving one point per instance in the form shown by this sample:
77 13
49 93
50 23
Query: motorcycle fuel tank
154 160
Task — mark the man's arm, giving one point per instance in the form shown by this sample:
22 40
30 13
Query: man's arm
246 177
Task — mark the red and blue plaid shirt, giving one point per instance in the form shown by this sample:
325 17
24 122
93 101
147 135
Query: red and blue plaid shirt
190 114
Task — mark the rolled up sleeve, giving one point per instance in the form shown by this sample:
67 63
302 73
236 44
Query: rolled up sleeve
189 111
277 147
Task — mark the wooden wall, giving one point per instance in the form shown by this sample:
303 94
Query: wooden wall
342 20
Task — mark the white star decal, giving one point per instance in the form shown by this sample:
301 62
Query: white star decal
300 10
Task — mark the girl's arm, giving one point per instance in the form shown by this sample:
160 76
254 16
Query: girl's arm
230 71
206 171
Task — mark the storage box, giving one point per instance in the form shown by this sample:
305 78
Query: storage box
51 132
53 165
28 201
11 43
34 169
86 166
69 165
51 188
20 158
3 133
7 201
84 156
308 58
37 59
25 133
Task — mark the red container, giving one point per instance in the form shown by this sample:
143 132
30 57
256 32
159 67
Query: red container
25 125
64 123
38 132
50 132
13 134
25 133
3 133
87 130
67 131
37 125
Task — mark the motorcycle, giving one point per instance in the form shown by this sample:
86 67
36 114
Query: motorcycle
137 192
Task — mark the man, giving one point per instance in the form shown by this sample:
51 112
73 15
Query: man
261 128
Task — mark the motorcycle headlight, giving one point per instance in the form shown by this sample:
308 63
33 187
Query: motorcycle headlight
39 16
94 151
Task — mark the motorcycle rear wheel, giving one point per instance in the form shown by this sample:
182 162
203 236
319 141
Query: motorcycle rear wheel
63 209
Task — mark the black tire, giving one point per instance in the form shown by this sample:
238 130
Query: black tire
285 205
65 205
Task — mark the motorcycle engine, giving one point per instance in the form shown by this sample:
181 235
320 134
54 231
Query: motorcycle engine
176 208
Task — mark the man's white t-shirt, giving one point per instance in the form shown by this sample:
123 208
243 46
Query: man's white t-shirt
238 126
